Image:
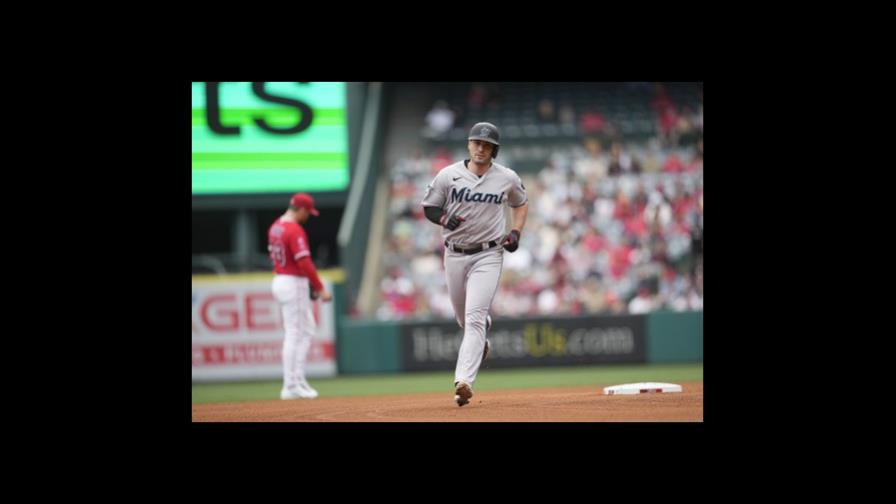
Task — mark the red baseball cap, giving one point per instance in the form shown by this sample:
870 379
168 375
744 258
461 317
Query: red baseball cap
304 200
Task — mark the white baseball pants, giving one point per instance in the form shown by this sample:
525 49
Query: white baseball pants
292 292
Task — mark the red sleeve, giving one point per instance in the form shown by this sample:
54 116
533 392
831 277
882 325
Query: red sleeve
306 268
298 244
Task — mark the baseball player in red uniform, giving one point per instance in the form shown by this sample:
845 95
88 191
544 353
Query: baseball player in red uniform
295 284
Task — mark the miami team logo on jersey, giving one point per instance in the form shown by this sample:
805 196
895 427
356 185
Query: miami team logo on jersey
466 195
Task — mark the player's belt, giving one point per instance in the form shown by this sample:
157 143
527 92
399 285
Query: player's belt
471 250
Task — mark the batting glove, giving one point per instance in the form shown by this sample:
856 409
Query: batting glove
511 241
451 223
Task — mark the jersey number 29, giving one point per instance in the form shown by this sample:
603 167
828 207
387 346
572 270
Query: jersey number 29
277 254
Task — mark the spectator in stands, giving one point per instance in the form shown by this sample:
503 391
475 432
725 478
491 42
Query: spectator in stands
594 241
548 301
697 239
621 163
615 169
696 162
592 122
642 303
698 276
592 295
547 114
592 167
441 159
686 131
400 295
624 208
477 97
698 117
613 301
439 120
653 156
620 260
657 243
567 115
493 97
688 300
667 116
659 209
673 164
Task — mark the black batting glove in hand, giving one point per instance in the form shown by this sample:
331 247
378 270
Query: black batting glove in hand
512 241
451 223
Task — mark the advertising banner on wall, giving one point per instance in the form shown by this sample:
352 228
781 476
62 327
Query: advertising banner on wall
531 342
238 331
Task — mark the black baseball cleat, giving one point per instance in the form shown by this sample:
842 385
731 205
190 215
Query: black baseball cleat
462 393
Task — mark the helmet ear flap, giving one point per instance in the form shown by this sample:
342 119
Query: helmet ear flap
495 152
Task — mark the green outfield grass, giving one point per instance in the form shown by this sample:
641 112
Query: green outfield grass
488 379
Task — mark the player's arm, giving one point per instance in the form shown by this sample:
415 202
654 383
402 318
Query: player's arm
298 243
519 209
438 216
306 267
435 199
518 216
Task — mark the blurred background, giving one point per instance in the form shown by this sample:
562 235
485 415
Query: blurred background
610 265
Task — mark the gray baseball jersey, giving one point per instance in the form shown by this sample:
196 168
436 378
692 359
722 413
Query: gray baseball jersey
473 279
479 200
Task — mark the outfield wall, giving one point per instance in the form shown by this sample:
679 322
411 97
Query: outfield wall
675 337
237 330
375 346
238 335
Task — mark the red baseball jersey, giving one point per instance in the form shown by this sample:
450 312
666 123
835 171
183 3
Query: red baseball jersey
287 243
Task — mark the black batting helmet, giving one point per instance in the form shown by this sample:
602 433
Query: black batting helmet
487 132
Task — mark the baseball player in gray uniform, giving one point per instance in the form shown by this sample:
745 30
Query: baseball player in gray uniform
467 199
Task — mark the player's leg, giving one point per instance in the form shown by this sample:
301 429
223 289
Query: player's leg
456 279
286 292
485 272
308 329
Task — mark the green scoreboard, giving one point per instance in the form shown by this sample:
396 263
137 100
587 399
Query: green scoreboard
269 137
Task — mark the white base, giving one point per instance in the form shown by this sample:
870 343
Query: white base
642 388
